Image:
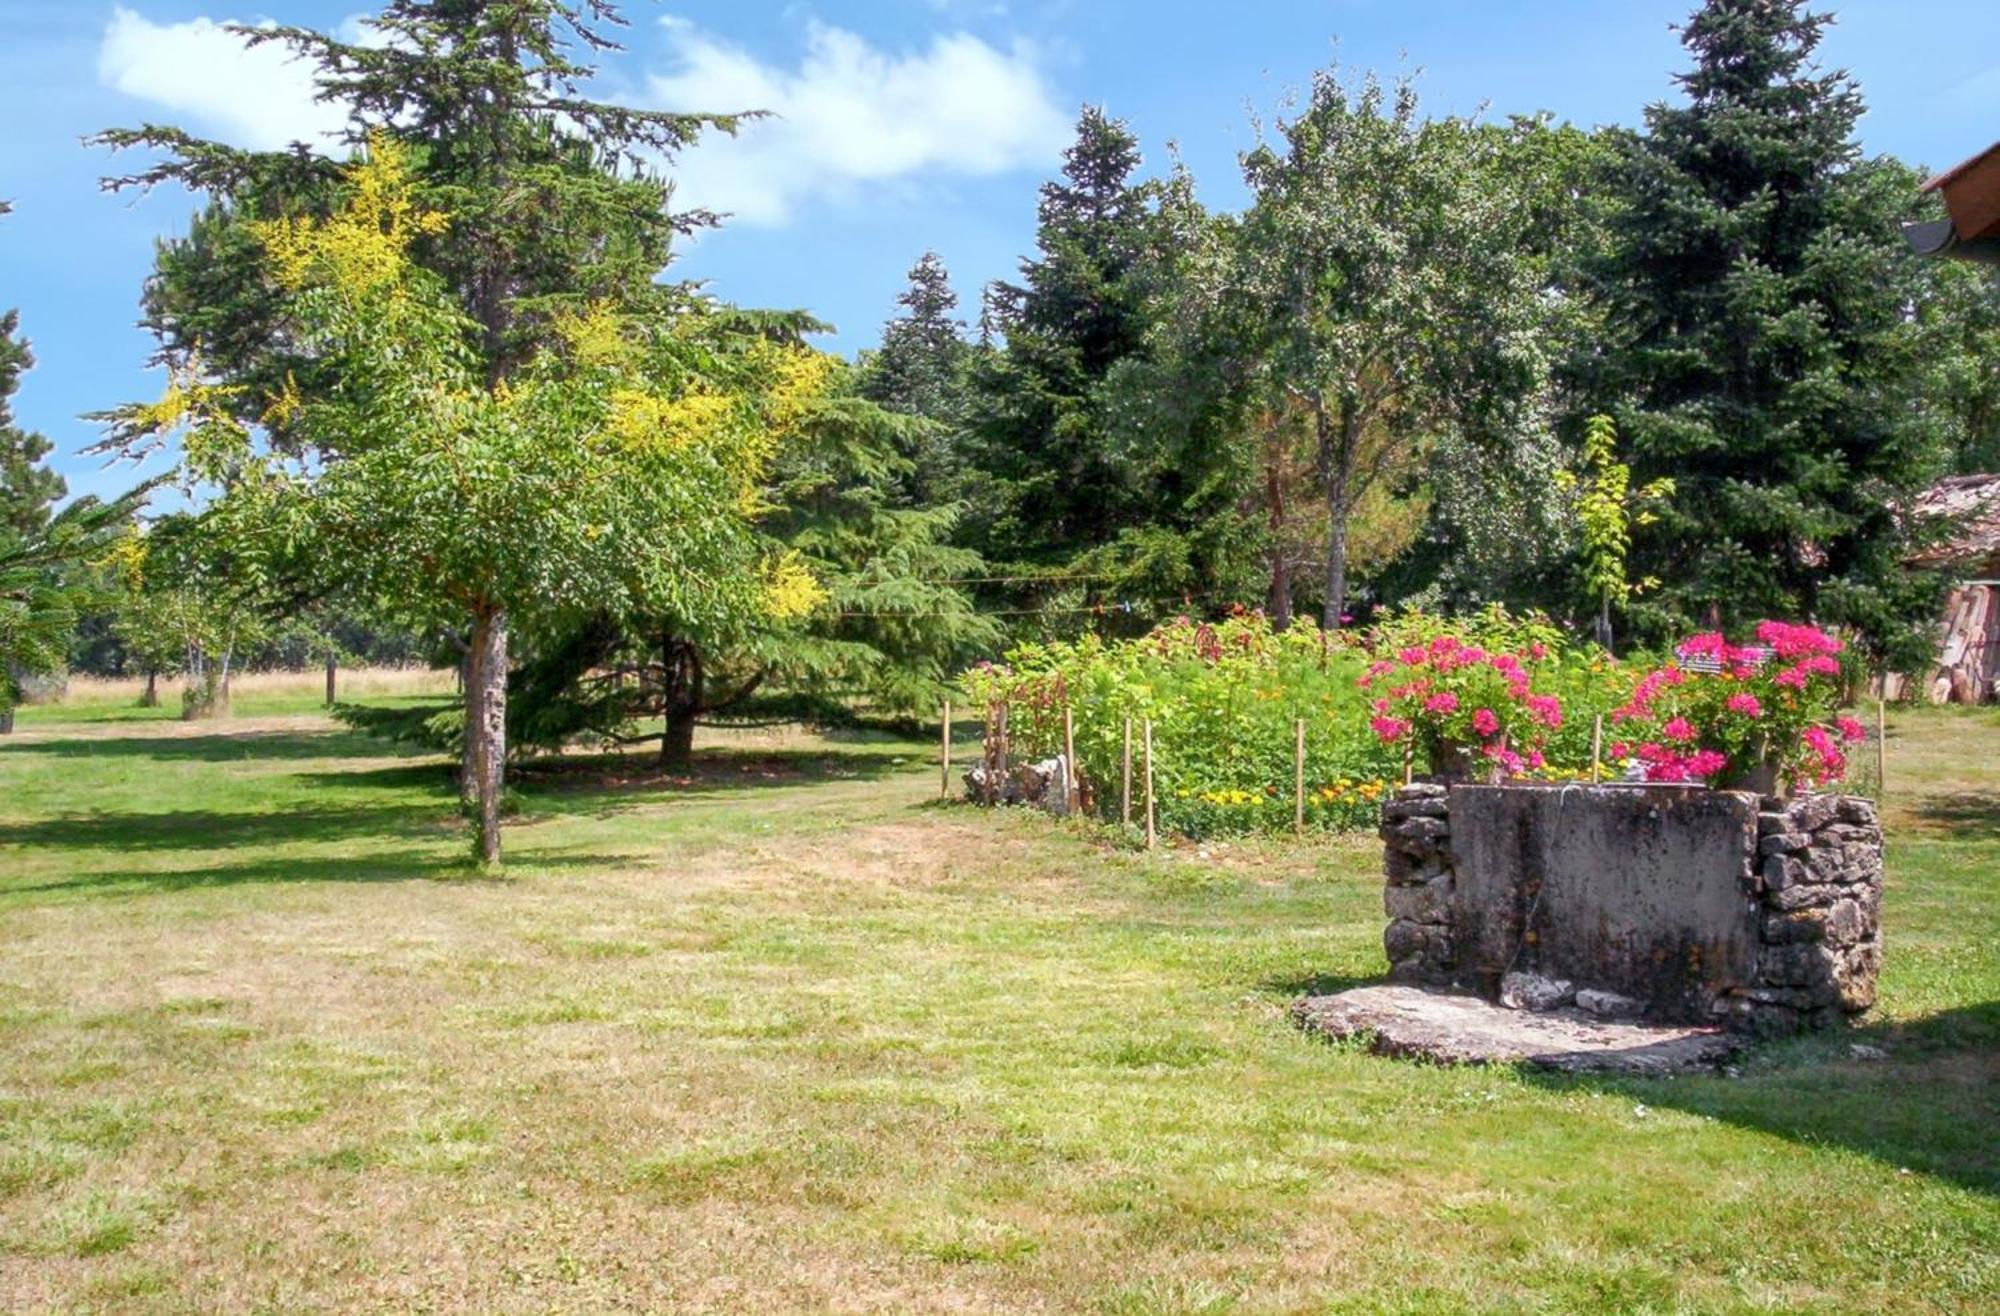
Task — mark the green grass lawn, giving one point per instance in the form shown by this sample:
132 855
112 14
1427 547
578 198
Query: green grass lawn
789 1035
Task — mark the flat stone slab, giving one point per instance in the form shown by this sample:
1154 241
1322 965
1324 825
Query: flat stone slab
1417 1024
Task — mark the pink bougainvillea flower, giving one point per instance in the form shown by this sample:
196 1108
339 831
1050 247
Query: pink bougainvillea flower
1706 762
1791 640
1444 644
1548 709
1538 650
1411 657
1444 701
1485 721
1388 729
1678 728
1850 730
1535 759
1745 703
1382 706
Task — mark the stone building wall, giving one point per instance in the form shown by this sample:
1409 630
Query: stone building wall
1762 914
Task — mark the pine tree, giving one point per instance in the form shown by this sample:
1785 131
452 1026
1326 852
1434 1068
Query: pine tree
920 370
1057 485
1762 358
28 488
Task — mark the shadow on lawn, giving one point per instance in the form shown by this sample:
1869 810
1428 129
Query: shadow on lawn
1931 1107
374 866
217 747
1964 816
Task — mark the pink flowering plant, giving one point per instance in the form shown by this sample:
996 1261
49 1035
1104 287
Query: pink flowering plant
1718 711
1445 699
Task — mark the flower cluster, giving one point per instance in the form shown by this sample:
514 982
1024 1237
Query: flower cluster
1733 708
1447 697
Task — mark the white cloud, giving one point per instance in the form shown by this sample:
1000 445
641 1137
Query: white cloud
258 99
850 116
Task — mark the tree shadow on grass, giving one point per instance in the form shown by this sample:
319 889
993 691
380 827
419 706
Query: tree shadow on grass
370 867
1963 816
209 829
1931 1107
712 770
218 747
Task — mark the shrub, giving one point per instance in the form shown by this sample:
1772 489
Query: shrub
1718 711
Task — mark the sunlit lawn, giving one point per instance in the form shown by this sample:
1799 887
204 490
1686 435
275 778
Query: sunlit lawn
788 1035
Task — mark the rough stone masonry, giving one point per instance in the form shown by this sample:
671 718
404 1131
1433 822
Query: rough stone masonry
1663 903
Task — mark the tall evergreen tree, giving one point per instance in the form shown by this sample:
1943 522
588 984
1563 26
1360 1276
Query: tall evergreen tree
1056 486
920 370
1761 354
28 488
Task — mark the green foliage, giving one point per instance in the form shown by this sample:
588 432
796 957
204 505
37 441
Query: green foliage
1398 284
1607 507
1758 346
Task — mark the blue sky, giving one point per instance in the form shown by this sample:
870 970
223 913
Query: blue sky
905 124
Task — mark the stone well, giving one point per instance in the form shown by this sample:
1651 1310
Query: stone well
1667 904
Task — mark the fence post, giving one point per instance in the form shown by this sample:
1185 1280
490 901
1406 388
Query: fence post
944 755
1125 791
1149 784
1407 770
1597 749
1004 748
1071 783
1299 776
1881 749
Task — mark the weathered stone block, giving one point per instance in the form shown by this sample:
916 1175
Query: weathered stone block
1422 806
1416 834
1403 940
1533 991
1781 871
1854 809
1809 813
1425 902
1789 929
1805 896
1610 1005
1783 843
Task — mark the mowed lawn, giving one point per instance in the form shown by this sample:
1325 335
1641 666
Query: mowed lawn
791 1036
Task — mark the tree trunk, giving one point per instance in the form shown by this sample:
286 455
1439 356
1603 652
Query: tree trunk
151 697
221 708
468 775
1604 624
7 720
1280 605
1336 465
486 728
329 680
684 682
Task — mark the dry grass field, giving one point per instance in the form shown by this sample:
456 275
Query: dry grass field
786 1034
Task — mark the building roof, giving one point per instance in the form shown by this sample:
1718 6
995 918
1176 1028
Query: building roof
1969 508
1971 192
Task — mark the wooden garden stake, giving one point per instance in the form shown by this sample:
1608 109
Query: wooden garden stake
1149 783
1070 782
1299 775
1406 765
1125 791
1597 749
1881 748
944 754
1002 730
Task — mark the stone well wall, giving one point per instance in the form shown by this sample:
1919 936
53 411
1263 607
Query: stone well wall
1665 903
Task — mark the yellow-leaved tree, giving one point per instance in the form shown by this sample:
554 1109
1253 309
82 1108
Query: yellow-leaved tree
618 470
